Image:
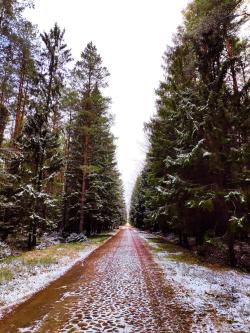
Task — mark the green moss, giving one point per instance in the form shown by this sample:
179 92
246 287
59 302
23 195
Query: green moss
5 275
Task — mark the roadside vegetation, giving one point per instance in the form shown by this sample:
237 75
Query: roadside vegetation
26 273
217 296
58 169
195 183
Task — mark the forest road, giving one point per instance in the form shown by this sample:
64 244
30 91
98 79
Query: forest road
118 288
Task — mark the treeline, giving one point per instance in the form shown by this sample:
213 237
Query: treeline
196 178
57 154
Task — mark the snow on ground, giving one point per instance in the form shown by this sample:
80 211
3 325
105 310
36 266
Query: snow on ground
210 292
28 279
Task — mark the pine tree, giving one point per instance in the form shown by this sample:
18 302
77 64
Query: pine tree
25 71
56 146
17 39
16 34
91 178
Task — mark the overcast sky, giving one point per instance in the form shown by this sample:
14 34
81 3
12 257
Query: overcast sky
131 36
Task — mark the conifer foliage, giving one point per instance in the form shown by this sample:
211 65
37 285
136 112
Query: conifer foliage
57 154
196 182
91 177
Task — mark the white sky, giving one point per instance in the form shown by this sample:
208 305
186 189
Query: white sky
131 36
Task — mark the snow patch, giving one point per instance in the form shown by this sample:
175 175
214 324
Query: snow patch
204 290
30 279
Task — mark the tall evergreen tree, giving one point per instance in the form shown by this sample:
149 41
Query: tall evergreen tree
39 143
49 158
198 160
16 35
17 47
91 177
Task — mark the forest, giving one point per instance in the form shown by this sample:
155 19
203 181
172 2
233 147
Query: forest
77 252
195 182
58 170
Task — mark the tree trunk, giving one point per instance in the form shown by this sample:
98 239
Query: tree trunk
20 97
25 100
199 239
34 230
230 52
30 238
65 212
37 205
3 122
84 179
185 241
180 238
231 252
88 229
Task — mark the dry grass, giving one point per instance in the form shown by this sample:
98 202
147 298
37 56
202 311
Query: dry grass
42 261
54 253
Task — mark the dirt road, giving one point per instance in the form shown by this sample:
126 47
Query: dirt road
118 288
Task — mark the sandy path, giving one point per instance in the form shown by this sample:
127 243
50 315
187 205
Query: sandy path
118 288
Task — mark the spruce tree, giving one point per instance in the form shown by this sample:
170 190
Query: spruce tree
198 160
39 143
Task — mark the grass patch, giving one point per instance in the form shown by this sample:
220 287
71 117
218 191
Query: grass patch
53 253
50 255
174 252
164 246
99 238
43 261
69 246
184 258
5 275
156 240
8 260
